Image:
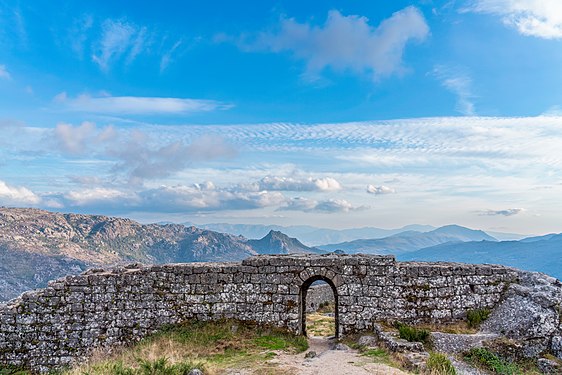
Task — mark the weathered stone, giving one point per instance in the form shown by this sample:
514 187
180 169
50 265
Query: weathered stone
458 343
548 366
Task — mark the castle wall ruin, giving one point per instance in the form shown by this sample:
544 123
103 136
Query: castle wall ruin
61 324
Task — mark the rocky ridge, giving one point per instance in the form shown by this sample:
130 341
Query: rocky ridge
37 246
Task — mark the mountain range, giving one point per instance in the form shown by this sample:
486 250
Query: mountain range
315 236
410 241
37 246
543 254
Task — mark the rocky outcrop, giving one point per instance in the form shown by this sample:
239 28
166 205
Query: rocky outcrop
530 314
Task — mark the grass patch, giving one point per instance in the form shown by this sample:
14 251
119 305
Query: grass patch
11 370
490 361
476 317
209 346
318 324
380 355
439 364
412 334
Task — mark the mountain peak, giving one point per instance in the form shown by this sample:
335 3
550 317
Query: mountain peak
276 242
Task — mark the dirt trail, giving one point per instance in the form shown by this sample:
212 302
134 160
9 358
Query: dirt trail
332 362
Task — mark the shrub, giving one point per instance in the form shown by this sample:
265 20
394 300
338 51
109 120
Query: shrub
490 361
412 334
476 317
439 364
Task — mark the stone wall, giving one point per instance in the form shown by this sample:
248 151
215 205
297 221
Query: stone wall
61 324
317 295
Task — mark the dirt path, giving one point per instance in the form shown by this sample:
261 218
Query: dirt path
331 362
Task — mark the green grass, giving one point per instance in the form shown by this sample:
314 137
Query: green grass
492 362
439 364
160 366
412 334
476 317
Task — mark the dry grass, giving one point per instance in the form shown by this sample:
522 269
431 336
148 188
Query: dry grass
213 346
320 325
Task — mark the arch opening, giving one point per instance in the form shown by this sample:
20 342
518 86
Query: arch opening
319 310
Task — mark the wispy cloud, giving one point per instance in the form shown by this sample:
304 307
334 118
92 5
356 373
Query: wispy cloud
346 42
538 18
136 105
167 57
459 83
4 74
119 39
506 212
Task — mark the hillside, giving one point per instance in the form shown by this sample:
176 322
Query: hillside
410 241
543 255
37 246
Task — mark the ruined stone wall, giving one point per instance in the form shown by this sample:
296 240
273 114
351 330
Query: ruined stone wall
62 323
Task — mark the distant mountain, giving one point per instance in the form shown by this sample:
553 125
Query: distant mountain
309 235
276 242
543 255
37 246
411 241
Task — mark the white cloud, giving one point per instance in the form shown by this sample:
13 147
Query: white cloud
538 18
99 195
460 84
506 212
119 38
82 138
15 195
4 74
206 197
292 184
347 42
325 206
378 190
137 105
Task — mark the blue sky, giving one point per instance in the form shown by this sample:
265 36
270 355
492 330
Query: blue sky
334 113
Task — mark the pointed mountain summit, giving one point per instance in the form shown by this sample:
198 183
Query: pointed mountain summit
276 242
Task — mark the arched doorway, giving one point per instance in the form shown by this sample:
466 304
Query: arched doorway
306 306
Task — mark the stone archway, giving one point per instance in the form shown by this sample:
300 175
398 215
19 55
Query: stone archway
303 304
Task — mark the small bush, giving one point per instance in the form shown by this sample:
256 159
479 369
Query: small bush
476 317
412 334
439 364
490 361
